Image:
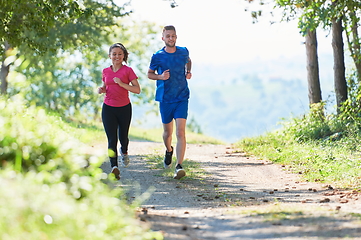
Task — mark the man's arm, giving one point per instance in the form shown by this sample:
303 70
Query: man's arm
152 75
189 66
189 69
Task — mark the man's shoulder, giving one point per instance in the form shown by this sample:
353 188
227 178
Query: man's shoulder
181 48
182 51
160 51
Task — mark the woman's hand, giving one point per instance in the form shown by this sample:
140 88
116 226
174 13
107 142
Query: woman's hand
101 90
117 80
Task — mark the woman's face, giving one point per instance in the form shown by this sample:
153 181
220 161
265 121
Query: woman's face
117 55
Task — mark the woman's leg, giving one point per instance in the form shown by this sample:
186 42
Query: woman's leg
124 118
110 124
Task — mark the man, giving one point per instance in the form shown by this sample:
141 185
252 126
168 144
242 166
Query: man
171 67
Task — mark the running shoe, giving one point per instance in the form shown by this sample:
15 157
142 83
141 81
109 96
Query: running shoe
125 160
168 158
179 172
116 172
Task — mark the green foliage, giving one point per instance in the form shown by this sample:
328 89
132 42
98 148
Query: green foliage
28 22
43 26
67 83
193 126
322 148
311 126
46 211
350 113
141 40
30 142
312 14
64 195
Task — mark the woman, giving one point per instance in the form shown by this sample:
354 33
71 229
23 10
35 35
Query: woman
118 81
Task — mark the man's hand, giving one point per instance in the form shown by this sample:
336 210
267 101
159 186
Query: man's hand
165 75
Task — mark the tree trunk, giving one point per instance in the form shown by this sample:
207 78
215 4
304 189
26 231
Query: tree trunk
4 71
314 88
339 63
354 43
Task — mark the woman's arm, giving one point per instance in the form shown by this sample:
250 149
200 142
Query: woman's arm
102 89
133 87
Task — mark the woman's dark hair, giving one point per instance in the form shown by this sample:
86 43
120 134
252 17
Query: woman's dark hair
121 46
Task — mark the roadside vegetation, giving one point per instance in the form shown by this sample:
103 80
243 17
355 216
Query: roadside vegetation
323 148
52 188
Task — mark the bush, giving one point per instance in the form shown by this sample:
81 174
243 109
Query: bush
312 126
322 148
50 190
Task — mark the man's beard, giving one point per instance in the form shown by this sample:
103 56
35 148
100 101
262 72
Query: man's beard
170 45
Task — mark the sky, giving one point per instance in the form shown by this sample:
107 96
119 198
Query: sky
222 32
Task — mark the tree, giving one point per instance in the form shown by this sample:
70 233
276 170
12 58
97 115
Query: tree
292 9
328 15
350 12
314 88
339 63
39 27
67 82
29 22
308 23
5 68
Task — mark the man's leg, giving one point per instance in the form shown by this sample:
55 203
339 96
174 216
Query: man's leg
167 139
181 147
181 139
167 135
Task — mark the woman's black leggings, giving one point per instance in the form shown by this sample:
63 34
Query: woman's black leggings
116 122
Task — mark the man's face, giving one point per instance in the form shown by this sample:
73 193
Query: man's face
169 38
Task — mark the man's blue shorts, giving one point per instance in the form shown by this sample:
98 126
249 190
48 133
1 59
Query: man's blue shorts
170 111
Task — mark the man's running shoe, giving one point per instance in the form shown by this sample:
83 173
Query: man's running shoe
168 158
116 172
179 172
125 160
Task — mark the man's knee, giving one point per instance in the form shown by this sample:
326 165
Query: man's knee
181 133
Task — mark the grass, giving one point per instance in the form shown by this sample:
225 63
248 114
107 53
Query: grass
155 135
192 168
315 147
66 195
43 151
316 161
94 132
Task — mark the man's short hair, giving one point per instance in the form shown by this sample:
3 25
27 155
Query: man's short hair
169 27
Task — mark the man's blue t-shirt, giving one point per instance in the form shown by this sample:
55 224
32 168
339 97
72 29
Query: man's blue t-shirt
175 89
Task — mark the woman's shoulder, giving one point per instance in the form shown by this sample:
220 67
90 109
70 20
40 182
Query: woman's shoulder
107 69
127 68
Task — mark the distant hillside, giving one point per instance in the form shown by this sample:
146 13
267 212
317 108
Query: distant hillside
231 102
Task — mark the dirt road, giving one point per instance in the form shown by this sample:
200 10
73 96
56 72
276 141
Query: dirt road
238 197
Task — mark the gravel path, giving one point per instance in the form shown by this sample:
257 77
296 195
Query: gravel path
239 197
